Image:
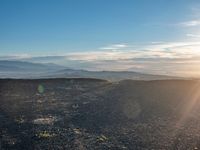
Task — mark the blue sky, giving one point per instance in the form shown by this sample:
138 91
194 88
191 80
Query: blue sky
101 30
42 27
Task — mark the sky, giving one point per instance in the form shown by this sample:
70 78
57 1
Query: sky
151 36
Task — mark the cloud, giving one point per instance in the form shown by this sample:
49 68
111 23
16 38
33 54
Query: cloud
193 35
114 47
171 58
155 50
15 57
191 23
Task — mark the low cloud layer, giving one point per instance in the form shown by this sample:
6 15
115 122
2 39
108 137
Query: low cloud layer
176 58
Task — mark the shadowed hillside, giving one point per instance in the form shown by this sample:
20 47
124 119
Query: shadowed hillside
97 114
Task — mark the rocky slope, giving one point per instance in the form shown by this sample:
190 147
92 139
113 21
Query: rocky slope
97 114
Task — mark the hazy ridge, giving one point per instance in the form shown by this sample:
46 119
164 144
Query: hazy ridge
28 70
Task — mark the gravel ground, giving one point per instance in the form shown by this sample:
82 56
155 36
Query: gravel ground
88 114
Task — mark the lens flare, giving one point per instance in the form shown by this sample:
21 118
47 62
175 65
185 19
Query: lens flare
41 89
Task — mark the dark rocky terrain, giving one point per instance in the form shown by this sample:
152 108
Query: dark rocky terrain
93 114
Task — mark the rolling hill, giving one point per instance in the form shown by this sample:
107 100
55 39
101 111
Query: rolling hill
28 70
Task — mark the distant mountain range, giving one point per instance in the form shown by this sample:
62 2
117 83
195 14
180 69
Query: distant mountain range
21 69
15 66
